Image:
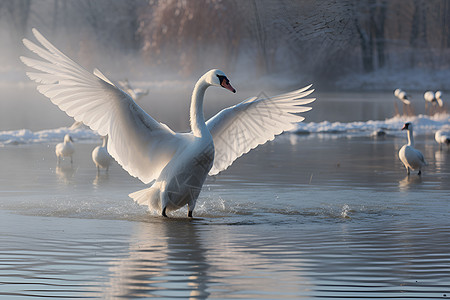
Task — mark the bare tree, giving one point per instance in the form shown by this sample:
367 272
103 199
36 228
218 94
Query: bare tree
187 33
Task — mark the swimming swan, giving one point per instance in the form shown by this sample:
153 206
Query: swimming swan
175 163
411 157
442 137
101 157
65 149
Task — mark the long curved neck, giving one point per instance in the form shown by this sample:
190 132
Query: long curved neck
105 141
410 138
197 118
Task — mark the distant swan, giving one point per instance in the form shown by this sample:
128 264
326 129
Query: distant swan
135 93
65 149
434 99
438 96
442 137
402 96
101 157
176 164
411 158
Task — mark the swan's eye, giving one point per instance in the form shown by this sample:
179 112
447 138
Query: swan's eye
222 79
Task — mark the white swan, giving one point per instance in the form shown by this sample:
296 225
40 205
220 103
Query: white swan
402 96
411 158
135 93
101 157
438 96
442 137
65 149
175 163
429 97
433 98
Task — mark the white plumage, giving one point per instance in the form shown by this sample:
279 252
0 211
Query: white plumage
411 158
402 96
65 149
175 163
438 96
433 98
442 137
101 157
135 93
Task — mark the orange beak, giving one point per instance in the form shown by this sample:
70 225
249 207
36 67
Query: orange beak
226 84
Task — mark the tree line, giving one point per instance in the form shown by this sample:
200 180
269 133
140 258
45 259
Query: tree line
323 38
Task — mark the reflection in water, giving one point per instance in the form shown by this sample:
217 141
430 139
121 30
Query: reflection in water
293 139
191 260
165 259
65 173
100 179
409 181
441 159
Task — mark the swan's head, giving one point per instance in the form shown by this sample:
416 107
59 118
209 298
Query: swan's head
67 138
438 94
407 126
218 78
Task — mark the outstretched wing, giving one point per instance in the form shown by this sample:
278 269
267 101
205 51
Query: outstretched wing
140 144
242 127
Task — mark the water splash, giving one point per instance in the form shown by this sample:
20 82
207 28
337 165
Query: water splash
345 210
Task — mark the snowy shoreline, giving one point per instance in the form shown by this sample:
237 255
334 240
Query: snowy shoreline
422 125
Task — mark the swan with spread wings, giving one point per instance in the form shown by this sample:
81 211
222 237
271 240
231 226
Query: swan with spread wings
175 164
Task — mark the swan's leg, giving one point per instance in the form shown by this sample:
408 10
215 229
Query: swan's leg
192 202
163 199
408 171
58 160
71 160
191 206
420 172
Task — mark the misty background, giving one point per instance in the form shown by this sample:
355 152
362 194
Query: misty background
352 45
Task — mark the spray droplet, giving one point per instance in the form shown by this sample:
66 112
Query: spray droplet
345 210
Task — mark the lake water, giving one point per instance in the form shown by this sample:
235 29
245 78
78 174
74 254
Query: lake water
306 216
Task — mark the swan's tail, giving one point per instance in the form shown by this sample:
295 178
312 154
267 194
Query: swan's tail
149 197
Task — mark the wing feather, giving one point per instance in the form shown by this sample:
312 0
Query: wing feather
139 143
238 129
